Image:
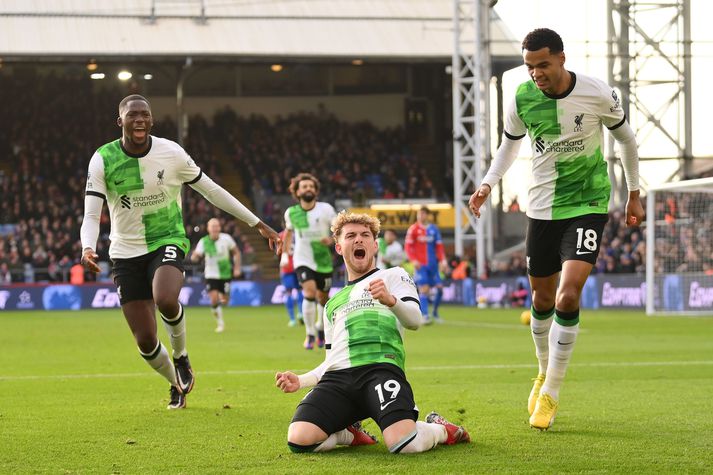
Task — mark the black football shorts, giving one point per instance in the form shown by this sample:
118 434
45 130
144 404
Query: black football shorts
221 285
379 391
134 276
552 242
323 280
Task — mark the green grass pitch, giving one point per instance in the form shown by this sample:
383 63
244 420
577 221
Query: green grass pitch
75 397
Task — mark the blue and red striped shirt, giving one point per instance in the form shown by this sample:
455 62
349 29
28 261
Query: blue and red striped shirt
424 244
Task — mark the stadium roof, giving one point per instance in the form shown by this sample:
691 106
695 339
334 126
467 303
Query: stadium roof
379 29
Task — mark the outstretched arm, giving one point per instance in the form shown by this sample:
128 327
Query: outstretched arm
219 197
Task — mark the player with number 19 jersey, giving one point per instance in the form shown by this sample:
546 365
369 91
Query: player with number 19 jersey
359 330
143 194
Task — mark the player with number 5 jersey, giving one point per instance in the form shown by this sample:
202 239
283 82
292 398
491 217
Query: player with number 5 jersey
564 114
140 177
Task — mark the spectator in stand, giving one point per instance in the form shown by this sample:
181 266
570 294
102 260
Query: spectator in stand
461 272
76 274
518 297
5 275
514 206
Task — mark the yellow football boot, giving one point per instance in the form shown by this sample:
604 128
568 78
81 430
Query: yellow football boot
544 413
535 393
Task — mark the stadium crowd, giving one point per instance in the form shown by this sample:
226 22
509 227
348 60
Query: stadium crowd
46 148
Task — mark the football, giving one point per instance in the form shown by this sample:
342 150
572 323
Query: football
525 317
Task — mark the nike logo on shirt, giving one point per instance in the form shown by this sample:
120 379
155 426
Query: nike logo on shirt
384 406
579 253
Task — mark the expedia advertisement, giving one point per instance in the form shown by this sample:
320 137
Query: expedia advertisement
674 292
74 297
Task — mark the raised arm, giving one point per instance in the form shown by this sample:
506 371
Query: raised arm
219 197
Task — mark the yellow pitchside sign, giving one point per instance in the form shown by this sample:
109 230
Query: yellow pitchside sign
400 216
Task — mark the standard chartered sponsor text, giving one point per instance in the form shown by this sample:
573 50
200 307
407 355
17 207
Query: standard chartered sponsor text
149 200
566 146
361 303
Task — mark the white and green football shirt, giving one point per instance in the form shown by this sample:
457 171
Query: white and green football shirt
143 194
569 172
359 330
218 262
309 228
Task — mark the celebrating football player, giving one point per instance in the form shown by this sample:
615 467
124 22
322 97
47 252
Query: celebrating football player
140 177
360 378
563 113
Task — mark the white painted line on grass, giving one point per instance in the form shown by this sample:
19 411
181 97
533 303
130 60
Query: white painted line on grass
625 364
499 326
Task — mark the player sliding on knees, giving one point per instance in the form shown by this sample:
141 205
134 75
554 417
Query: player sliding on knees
360 378
140 177
568 201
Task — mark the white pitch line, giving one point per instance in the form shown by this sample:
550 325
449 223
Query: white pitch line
500 326
413 368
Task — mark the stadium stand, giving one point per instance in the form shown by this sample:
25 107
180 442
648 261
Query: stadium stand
60 120
44 151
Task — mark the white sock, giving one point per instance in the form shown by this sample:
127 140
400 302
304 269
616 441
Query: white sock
176 328
562 340
343 437
425 437
309 314
319 324
159 360
540 330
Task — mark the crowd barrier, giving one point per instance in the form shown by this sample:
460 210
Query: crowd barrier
674 292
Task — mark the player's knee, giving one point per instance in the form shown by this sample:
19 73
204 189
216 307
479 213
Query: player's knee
303 441
146 342
167 304
542 300
567 299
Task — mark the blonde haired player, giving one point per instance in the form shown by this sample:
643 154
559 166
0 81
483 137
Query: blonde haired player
360 378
